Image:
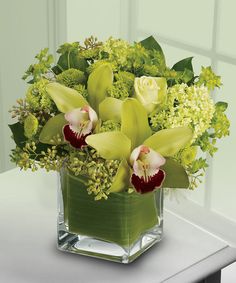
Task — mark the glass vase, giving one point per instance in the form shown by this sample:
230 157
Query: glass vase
119 229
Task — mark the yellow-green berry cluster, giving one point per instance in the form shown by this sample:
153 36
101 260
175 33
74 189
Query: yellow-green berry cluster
51 160
100 172
101 177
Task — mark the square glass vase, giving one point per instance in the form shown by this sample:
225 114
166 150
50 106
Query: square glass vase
119 229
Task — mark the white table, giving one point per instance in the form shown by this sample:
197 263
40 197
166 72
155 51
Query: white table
28 252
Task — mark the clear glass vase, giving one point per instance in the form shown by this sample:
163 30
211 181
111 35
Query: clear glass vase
119 229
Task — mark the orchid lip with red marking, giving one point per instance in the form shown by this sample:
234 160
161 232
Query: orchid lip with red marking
154 182
82 122
147 175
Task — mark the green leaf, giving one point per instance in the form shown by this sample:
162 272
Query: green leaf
134 122
176 176
184 64
65 98
98 83
222 106
18 134
122 178
70 60
110 109
52 129
110 145
150 43
20 139
169 141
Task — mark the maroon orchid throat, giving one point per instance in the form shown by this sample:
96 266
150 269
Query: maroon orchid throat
81 123
147 175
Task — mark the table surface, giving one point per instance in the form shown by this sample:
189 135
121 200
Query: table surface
28 250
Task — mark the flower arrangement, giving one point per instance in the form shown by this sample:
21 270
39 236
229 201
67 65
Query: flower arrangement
115 113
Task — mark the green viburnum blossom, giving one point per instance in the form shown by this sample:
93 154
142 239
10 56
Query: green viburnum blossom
186 106
208 78
30 126
37 96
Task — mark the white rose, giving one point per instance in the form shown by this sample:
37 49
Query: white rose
150 91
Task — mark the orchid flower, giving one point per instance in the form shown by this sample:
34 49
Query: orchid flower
146 164
82 122
79 119
142 155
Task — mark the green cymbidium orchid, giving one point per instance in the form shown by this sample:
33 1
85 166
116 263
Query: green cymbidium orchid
70 102
135 131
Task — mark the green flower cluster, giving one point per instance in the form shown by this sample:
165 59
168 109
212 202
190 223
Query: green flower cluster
208 78
42 67
186 106
100 72
109 125
37 97
71 77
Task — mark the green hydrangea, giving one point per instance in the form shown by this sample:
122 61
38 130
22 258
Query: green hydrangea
71 77
37 96
186 106
30 126
209 78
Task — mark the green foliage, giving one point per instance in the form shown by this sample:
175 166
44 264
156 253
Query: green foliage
209 78
18 134
176 176
70 58
36 71
151 44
